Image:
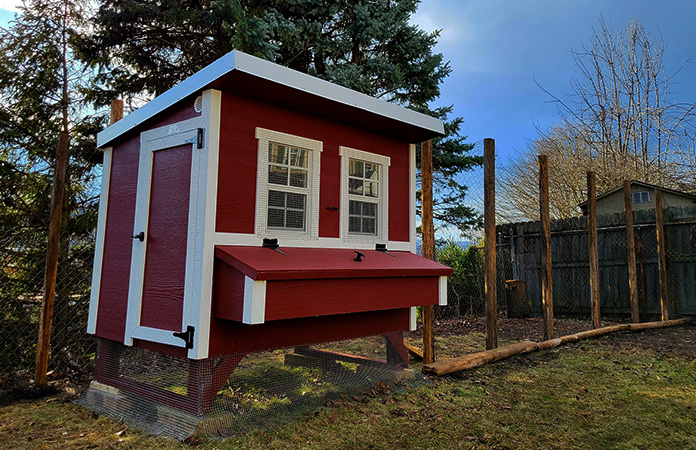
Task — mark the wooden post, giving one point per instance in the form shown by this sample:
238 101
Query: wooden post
51 269
661 255
489 243
592 247
546 269
116 111
428 244
631 249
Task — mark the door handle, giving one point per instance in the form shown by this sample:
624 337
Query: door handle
140 236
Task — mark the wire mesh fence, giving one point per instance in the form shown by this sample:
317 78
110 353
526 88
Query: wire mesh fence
23 256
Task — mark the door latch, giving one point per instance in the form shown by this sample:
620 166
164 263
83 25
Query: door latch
140 236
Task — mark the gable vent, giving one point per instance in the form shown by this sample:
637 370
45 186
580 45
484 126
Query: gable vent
198 104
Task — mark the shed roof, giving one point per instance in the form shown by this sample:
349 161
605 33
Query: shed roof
639 183
253 77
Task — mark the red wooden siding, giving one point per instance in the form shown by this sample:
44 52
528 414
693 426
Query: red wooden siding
228 291
228 337
238 157
307 298
113 291
165 258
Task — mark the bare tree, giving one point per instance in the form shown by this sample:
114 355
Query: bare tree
620 121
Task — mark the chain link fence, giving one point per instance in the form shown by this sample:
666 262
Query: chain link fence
23 256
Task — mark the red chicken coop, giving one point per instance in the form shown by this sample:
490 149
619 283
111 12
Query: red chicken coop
253 207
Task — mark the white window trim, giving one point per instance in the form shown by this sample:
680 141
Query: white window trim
382 236
265 137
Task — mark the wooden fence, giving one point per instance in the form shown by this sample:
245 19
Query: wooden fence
520 249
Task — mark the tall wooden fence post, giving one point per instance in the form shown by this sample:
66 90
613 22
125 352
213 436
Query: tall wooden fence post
592 247
631 250
661 255
51 268
489 245
546 269
428 243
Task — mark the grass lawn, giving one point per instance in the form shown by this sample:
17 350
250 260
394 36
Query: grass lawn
622 391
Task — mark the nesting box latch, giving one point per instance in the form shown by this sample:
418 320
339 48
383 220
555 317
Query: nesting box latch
272 244
383 248
187 336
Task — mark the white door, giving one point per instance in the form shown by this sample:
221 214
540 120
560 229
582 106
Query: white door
160 297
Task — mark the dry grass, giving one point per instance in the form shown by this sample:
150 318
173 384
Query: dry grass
623 391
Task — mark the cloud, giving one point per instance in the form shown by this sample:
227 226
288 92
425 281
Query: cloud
10 5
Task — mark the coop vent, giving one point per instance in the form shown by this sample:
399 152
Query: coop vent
198 104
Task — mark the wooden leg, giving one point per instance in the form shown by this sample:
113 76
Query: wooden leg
210 377
397 353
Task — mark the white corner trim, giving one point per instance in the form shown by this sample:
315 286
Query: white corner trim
99 244
254 311
412 318
204 251
442 291
346 153
412 216
315 147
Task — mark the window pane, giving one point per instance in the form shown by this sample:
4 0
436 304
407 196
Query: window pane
369 226
277 153
371 189
354 224
356 168
369 209
276 198
298 178
355 186
296 201
295 219
371 172
355 208
278 175
298 157
276 218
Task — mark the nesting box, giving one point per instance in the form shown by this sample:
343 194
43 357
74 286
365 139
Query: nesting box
254 207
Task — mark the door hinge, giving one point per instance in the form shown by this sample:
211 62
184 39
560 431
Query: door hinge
198 139
187 336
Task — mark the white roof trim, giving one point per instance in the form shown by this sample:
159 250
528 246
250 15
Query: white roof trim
267 70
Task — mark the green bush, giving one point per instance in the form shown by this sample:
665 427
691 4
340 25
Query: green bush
465 285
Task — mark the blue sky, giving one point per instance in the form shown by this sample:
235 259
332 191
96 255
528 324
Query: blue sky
499 49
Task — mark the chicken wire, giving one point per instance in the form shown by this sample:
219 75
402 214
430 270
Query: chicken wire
223 396
23 257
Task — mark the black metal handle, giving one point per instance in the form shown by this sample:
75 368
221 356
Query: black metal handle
358 256
140 236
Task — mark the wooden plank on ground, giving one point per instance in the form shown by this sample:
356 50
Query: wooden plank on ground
480 358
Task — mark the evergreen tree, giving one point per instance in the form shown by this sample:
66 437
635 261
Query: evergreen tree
141 48
39 99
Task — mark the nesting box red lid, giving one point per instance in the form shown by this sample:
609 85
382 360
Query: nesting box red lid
260 263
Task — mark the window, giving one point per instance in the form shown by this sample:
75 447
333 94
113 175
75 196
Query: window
288 185
640 197
364 196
